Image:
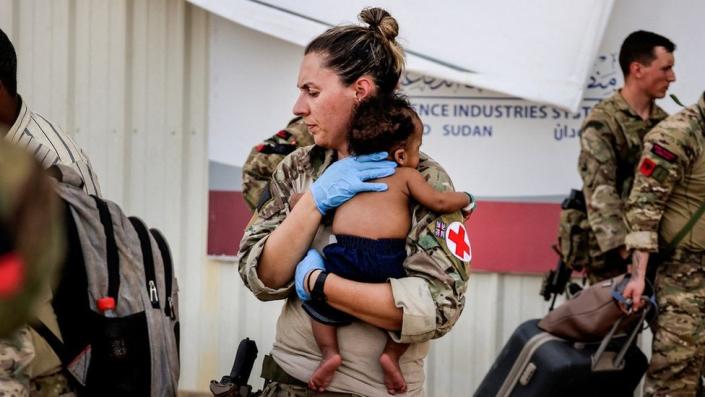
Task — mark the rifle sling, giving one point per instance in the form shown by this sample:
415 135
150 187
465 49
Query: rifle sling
685 230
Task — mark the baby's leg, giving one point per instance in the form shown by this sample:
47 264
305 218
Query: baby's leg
393 378
327 340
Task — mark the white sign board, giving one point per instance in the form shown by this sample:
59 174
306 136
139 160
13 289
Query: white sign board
494 145
475 42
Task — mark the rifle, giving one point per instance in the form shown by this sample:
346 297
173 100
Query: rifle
235 384
555 281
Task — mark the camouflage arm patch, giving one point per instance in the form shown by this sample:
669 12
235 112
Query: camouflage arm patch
437 238
660 171
429 257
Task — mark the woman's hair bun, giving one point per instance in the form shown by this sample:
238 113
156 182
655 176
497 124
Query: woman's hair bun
380 20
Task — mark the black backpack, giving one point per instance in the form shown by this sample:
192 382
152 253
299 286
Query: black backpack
131 350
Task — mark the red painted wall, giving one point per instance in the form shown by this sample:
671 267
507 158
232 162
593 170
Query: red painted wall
505 237
228 215
513 237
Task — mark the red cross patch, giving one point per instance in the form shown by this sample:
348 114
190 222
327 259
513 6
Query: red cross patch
458 241
647 167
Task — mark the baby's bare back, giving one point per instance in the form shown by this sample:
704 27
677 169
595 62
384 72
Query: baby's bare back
377 215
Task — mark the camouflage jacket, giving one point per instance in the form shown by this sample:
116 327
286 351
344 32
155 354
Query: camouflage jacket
432 297
610 146
669 185
264 158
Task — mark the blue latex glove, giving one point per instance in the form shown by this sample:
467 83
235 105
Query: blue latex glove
345 178
312 261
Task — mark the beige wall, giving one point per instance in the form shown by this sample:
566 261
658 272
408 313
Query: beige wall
128 80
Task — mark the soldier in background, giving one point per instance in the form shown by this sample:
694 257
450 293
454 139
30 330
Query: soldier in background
669 187
264 158
31 246
611 143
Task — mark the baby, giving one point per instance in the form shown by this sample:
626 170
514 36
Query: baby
371 228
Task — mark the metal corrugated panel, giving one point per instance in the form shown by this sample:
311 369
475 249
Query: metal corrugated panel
128 80
495 305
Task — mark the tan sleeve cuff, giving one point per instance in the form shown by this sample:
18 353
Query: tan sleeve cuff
411 294
647 241
249 274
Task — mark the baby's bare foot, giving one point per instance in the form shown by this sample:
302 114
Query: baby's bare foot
324 373
393 379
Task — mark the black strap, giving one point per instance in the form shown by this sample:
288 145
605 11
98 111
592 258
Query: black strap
148 260
111 249
54 342
317 293
168 269
276 148
264 196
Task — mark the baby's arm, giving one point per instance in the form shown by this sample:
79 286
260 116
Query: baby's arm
436 201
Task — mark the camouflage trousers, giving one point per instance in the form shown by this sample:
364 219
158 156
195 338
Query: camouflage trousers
16 353
54 385
678 357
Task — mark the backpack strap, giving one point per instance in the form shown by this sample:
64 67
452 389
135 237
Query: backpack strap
148 260
168 271
54 342
111 249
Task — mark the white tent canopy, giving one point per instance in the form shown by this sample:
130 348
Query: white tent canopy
541 50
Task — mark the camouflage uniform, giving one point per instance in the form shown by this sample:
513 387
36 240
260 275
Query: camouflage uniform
669 187
610 146
30 215
432 297
265 157
16 353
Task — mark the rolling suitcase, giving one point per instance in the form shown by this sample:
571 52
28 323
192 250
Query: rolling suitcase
536 363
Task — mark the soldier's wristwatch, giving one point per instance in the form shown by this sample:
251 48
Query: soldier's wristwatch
317 293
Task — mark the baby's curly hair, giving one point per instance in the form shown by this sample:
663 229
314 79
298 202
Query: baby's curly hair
381 125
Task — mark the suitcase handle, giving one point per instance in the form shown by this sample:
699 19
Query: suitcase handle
618 362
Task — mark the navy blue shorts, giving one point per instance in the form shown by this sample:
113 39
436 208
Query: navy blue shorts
359 259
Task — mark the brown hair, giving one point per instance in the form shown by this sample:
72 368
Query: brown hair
353 51
382 124
639 47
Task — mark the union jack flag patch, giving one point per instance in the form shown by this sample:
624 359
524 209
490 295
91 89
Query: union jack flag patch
440 230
